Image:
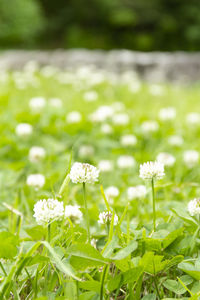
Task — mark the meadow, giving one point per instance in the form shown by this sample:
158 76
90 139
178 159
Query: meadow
109 227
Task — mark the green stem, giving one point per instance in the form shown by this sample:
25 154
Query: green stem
49 233
86 211
156 286
154 205
102 281
2 267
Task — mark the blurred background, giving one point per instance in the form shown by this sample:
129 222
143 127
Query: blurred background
145 25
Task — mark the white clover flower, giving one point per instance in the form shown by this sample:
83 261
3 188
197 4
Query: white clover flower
193 119
106 128
156 90
24 129
125 161
128 140
37 103
191 158
194 207
36 180
36 154
106 217
175 140
86 151
102 114
47 211
167 114
135 192
55 102
105 166
134 87
118 106
112 192
149 126
166 159
73 212
74 117
152 169
83 173
120 119
90 96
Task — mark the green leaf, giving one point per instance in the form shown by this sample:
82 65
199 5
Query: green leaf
176 287
91 285
185 216
190 269
123 253
171 237
8 245
149 297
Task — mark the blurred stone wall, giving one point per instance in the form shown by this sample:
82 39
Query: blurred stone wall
153 67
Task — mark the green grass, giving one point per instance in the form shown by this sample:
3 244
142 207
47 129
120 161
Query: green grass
130 260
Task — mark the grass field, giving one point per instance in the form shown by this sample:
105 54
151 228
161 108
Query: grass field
115 123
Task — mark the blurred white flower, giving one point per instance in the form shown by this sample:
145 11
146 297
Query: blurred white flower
24 129
83 172
149 126
55 102
46 211
193 119
105 165
74 117
125 161
86 151
152 169
135 87
73 212
175 140
48 71
102 113
156 90
128 140
106 128
94 243
166 159
90 96
112 192
36 154
138 191
36 180
194 207
118 106
106 217
37 103
167 114
121 119
191 158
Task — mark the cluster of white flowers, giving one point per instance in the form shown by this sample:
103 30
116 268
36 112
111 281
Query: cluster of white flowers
152 169
125 161
83 173
105 165
128 140
191 158
112 192
106 217
175 140
121 119
73 212
106 128
118 106
135 192
102 113
166 159
86 151
36 154
149 126
24 129
36 180
46 211
74 117
167 114
194 207
90 96
37 103
193 119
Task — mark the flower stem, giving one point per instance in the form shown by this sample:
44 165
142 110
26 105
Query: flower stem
49 232
86 211
154 205
102 281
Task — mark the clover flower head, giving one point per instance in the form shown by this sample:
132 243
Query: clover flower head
112 192
152 169
37 103
36 154
74 117
24 129
135 192
128 140
125 161
120 119
191 158
193 119
106 217
36 180
83 173
194 207
175 140
46 211
167 114
106 128
90 96
149 126
73 212
166 159
105 165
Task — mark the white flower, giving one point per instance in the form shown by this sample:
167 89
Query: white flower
125 161
121 119
73 212
83 172
166 159
152 169
112 192
128 140
194 207
102 113
175 140
118 106
94 243
24 129
90 96
167 114
46 211
37 103
193 118
149 126
106 217
106 128
134 87
74 117
191 158
55 102
86 150
36 154
138 191
105 166
156 90
36 180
